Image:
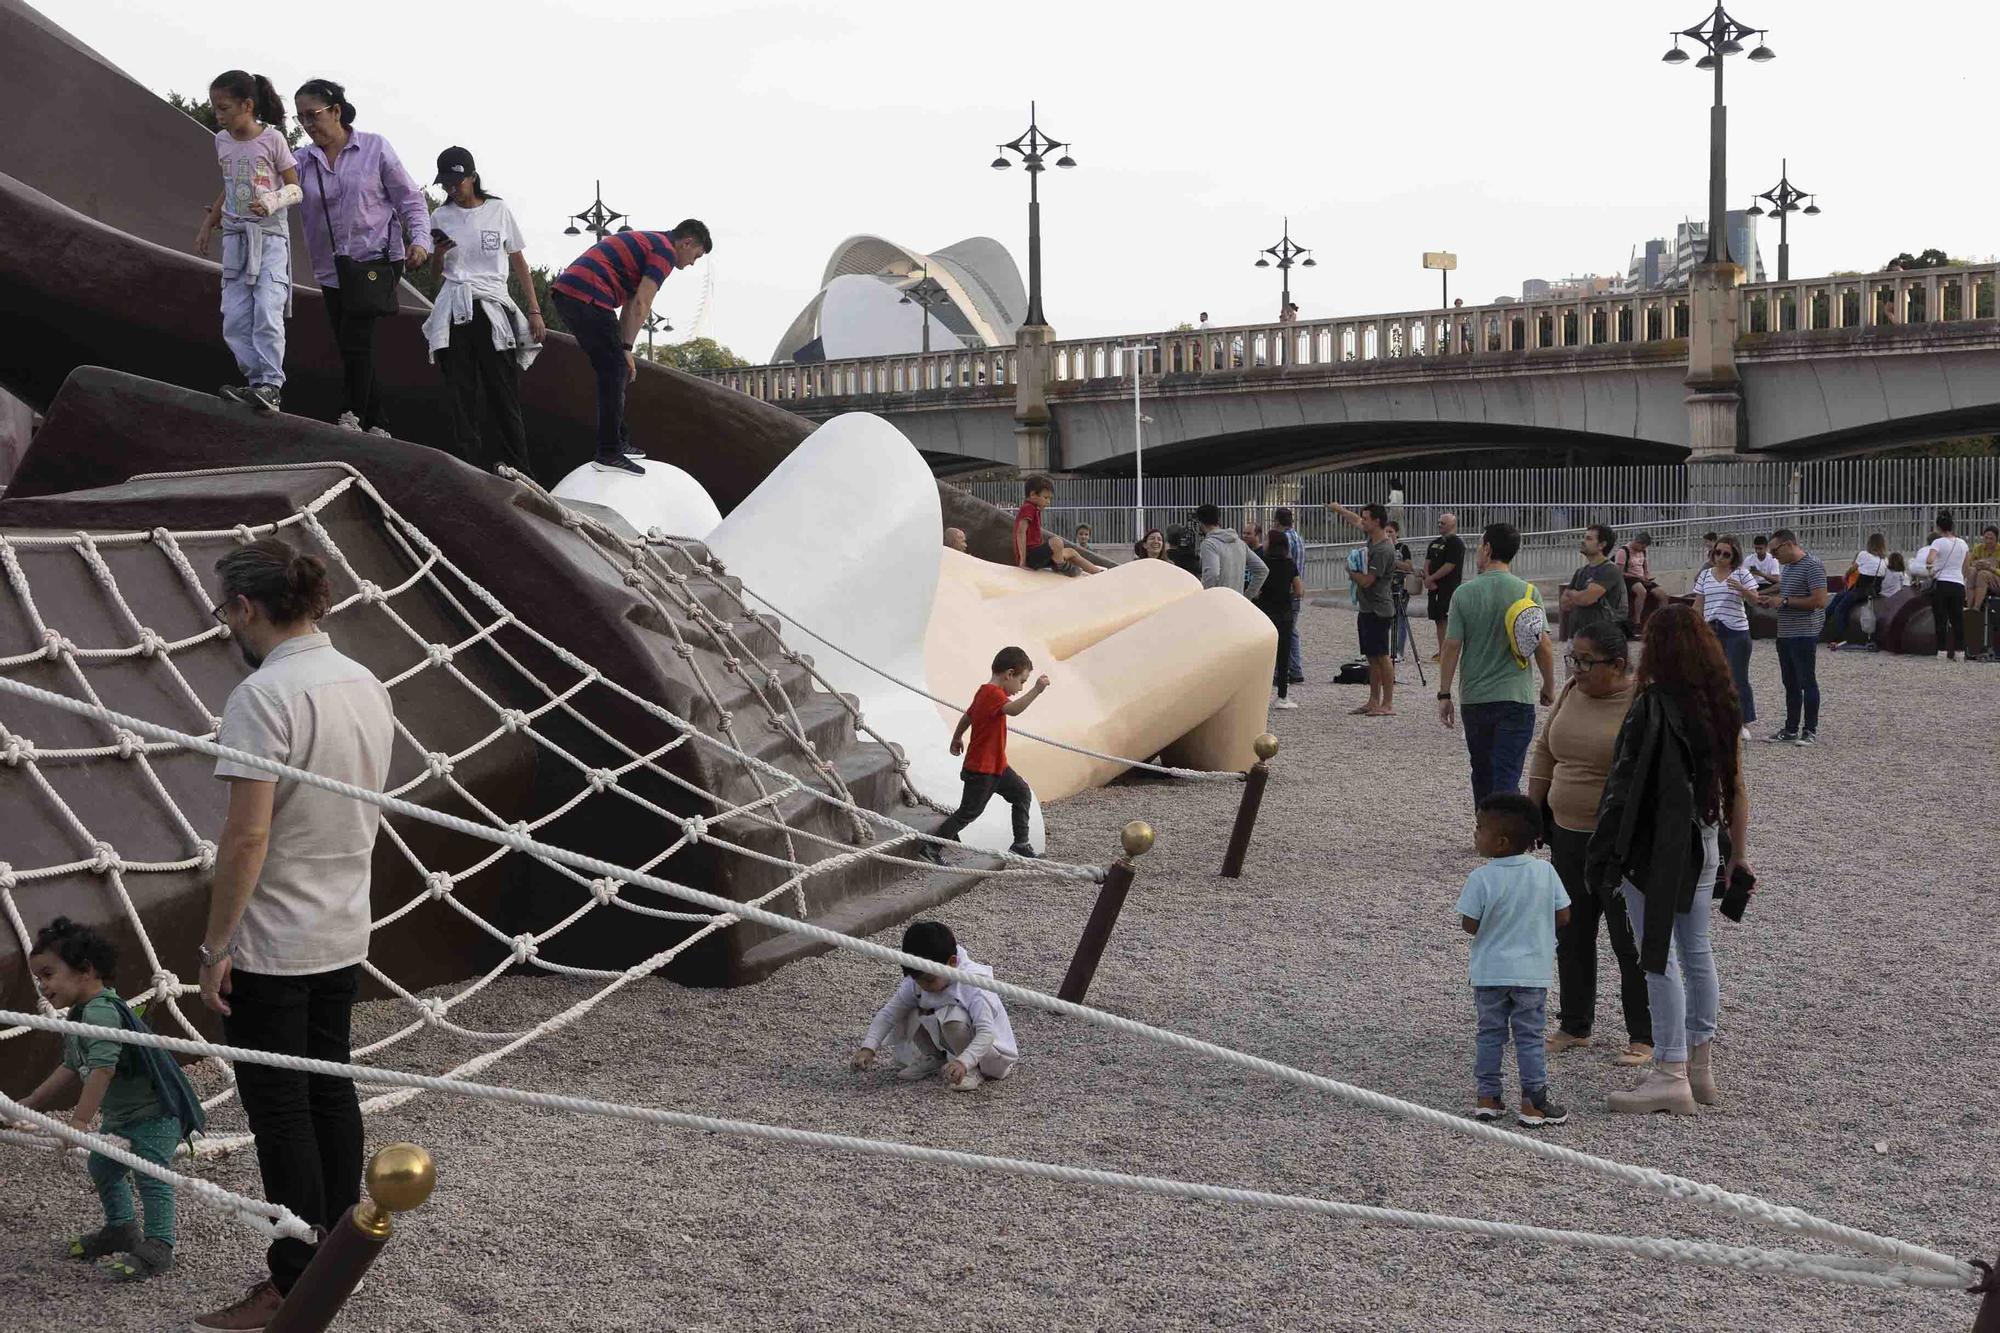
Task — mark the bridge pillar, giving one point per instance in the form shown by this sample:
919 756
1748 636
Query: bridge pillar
1715 392
1034 366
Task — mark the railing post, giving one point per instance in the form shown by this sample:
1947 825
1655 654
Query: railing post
1137 839
400 1177
1254 781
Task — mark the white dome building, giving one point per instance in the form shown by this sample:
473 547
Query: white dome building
859 309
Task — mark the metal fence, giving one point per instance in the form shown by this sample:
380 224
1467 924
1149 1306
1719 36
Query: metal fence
1834 505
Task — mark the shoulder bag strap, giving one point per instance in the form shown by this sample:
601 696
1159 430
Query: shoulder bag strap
326 209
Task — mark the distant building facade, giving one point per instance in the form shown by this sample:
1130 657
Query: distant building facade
1663 263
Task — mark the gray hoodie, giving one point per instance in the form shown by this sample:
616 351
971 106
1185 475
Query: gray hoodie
1226 562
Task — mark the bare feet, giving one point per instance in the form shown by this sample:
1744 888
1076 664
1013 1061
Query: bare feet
1378 712
1362 711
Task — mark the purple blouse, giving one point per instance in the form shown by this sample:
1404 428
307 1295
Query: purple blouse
370 193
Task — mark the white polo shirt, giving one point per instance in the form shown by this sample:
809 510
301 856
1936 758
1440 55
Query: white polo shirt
311 708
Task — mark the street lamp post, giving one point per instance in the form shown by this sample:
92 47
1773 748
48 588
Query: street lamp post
1784 200
1134 356
925 293
1286 253
655 321
1032 146
596 219
1722 36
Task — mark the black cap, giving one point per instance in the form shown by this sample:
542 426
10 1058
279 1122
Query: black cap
454 165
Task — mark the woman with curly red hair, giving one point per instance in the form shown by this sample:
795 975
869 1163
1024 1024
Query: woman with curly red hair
1674 812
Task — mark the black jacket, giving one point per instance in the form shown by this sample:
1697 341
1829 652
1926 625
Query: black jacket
1648 829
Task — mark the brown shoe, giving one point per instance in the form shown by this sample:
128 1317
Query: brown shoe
1635 1054
1560 1041
258 1307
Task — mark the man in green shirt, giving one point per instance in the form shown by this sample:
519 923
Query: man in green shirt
1485 639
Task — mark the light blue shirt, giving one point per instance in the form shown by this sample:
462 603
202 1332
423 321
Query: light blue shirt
1515 900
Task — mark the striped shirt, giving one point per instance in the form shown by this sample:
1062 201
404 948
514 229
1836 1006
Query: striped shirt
1718 603
1799 581
609 273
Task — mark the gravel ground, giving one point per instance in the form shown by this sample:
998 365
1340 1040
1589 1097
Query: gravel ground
1856 1005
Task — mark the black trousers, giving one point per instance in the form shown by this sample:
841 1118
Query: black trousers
1288 630
1948 611
307 1126
484 383
354 338
596 332
981 788
1576 947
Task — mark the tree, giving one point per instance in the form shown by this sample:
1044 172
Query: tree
1932 258
696 355
202 114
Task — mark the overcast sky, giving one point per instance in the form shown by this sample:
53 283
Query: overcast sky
1532 139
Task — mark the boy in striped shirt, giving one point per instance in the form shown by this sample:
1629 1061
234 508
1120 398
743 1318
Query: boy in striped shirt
604 297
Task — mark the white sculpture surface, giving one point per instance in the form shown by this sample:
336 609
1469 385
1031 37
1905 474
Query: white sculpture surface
665 498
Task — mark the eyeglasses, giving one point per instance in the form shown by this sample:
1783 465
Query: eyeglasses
219 608
1583 664
315 113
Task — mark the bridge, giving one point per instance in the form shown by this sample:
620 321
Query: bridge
1824 368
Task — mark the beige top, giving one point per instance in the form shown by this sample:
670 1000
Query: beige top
311 708
1572 756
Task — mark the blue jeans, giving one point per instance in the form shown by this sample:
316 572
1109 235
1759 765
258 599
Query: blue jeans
1497 736
1798 666
1297 663
1736 647
253 305
596 332
1685 997
1524 1010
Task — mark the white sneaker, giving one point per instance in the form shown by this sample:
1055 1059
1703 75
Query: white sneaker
348 421
1285 703
973 1078
1746 733
921 1067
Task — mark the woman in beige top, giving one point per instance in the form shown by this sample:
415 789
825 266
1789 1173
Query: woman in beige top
1566 773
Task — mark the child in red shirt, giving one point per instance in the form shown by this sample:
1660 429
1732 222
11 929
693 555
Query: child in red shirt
986 772
1035 550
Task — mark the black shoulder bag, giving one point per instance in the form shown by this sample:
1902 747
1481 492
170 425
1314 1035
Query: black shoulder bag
368 287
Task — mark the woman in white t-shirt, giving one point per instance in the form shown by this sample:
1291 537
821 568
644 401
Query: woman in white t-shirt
1947 563
1725 589
1870 564
477 334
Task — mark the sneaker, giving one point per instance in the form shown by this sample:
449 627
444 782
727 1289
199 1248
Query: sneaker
920 1068
235 393
1746 733
1025 850
263 397
258 1307
348 421
1295 680
1807 738
105 1241
1550 1112
149 1258
380 430
972 1079
931 852
1786 737
630 452
1283 702
617 463
1560 1041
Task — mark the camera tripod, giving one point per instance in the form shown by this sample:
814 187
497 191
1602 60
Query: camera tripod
1401 637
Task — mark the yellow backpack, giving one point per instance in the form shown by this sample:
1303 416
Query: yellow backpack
1525 623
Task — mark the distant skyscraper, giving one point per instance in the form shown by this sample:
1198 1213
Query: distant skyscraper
1668 264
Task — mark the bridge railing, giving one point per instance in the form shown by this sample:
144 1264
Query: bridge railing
1850 301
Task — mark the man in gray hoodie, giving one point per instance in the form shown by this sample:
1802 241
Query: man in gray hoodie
1226 562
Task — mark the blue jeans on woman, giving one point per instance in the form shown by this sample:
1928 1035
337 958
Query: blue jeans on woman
1736 647
1684 998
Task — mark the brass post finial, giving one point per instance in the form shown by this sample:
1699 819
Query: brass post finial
1266 746
1137 838
399 1177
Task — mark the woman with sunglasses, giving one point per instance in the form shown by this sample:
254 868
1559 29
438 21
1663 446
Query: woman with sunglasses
1566 773
1726 590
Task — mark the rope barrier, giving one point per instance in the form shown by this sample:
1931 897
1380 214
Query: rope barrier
1750 1259
1755 1209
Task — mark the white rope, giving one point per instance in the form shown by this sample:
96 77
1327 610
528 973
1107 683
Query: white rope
1751 1259
269 1220
1680 1187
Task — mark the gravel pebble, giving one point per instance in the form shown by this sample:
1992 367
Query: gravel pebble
1856 1002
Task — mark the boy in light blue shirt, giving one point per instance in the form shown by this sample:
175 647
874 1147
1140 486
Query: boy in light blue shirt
1511 907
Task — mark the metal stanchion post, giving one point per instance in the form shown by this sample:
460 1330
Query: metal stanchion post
1266 747
1988 1319
1137 839
400 1177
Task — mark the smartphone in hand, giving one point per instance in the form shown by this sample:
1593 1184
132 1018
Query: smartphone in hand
1737 897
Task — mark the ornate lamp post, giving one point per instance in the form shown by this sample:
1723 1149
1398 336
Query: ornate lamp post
1032 146
1286 253
1784 200
1722 36
596 219
655 320
925 293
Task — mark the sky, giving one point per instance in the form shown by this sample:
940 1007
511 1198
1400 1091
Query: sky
1530 139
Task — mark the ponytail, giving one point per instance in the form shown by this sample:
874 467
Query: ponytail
287 585
256 90
329 92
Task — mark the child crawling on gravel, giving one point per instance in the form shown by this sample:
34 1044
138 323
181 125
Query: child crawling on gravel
139 1090
1511 907
933 1023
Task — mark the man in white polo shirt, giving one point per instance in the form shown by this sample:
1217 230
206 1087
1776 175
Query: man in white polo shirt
288 912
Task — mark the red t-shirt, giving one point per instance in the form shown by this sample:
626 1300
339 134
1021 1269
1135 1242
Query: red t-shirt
1033 513
987 750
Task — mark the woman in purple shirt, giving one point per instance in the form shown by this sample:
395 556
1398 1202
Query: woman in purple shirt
359 202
